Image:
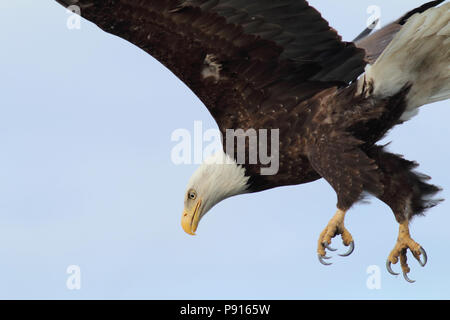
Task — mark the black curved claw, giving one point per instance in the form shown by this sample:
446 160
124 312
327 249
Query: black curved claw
324 262
425 258
350 250
326 245
389 268
405 275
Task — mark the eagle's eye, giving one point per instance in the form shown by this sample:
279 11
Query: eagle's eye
192 195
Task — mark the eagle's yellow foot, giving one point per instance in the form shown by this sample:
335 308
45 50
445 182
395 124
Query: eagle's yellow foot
405 242
334 227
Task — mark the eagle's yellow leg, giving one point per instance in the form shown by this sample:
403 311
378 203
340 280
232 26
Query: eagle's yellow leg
334 227
405 242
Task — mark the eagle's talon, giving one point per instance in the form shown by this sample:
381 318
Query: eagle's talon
324 262
405 242
326 245
335 227
405 275
425 258
389 268
350 250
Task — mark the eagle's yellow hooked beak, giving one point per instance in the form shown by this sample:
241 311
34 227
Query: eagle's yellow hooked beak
191 217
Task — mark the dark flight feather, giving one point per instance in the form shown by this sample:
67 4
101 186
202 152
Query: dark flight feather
260 45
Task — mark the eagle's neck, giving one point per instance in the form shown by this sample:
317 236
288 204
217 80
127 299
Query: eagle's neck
227 177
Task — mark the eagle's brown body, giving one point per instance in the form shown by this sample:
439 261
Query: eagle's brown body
278 65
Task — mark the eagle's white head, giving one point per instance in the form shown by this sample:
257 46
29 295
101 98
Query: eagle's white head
218 178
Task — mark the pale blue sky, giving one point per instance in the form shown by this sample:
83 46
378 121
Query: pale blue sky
86 179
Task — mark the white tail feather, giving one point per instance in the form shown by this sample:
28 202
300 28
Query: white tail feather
418 55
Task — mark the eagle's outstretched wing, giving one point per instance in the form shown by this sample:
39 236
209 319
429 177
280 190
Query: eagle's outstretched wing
240 57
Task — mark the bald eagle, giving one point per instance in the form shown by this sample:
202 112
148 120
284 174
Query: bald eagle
278 65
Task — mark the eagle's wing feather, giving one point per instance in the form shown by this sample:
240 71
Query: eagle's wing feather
239 57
